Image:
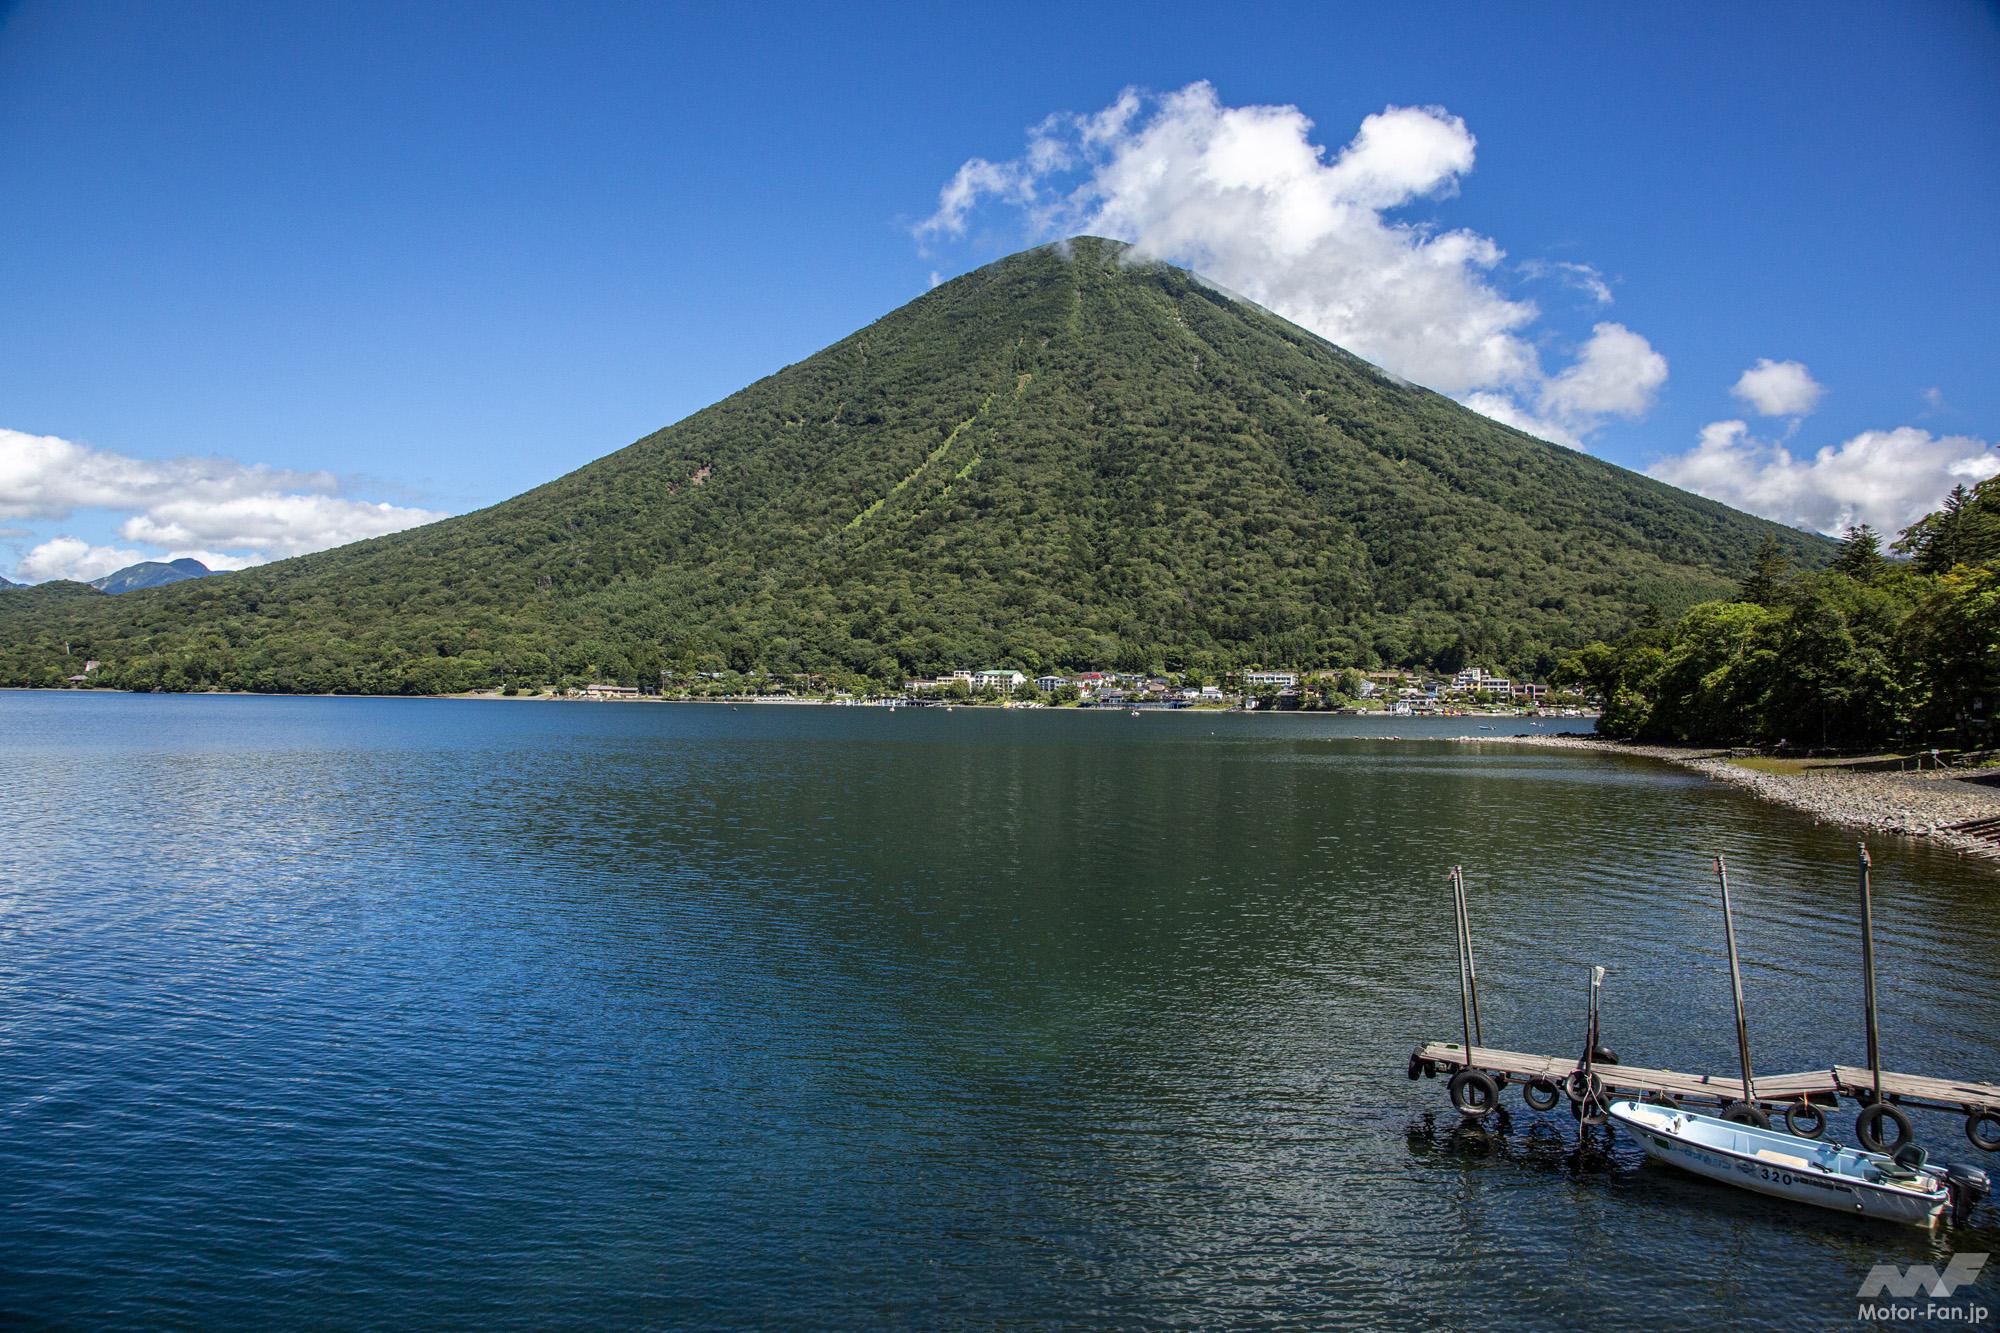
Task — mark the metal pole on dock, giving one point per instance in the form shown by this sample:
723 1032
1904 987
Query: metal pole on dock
1471 968
1868 971
1458 938
1735 980
1593 1033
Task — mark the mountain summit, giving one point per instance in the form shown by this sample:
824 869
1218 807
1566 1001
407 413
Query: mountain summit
1063 459
151 574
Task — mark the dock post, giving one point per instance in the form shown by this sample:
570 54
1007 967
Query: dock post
1465 961
1471 967
1593 1031
1868 971
1735 981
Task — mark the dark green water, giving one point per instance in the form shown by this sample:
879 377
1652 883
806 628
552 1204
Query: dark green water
379 1012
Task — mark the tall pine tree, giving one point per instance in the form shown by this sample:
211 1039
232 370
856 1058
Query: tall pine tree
1770 574
1860 555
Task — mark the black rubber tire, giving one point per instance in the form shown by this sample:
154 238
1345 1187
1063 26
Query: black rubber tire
1988 1141
1541 1094
1604 1055
1805 1120
1473 1094
1580 1089
1416 1069
1743 1113
1868 1124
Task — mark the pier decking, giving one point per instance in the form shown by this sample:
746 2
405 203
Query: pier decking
1774 1091
1937 1094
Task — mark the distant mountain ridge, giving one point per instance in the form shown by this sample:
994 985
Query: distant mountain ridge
151 574
1062 460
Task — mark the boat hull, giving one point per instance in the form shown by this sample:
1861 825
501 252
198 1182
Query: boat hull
1780 1165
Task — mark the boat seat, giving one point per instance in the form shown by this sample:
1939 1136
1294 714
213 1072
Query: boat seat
1777 1158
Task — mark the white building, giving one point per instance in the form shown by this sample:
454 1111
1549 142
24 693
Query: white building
1050 684
1284 680
1004 681
1475 680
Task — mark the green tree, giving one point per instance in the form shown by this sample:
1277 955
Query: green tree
1860 554
1954 638
1769 575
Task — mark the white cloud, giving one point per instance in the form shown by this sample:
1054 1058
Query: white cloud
1510 413
1245 196
1617 374
1887 478
43 476
1779 388
226 513
280 524
73 558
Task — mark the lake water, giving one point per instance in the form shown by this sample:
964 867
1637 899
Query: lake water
387 1012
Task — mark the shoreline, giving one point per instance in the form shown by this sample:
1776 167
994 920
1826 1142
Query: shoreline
1910 804
1196 710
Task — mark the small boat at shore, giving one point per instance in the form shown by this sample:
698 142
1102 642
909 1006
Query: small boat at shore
1903 1189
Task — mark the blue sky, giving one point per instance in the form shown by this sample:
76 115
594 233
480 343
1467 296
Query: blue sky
277 276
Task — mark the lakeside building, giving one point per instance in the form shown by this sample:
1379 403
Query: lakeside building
1401 692
1476 680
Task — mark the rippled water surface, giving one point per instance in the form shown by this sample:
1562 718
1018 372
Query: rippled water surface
372 1012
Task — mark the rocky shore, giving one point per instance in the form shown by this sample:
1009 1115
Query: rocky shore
1914 804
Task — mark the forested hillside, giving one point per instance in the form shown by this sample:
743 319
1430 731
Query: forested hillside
1060 460
1865 651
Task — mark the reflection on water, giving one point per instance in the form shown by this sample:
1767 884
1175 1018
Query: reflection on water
356 1010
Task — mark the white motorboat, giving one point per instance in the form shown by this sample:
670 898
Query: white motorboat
1846 1180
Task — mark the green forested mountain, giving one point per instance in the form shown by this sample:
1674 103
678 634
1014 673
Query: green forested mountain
150 574
1060 460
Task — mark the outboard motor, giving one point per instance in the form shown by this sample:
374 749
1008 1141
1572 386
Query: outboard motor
1966 1185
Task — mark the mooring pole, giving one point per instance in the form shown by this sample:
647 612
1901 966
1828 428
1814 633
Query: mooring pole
1593 1029
1471 968
1868 971
1464 993
1735 980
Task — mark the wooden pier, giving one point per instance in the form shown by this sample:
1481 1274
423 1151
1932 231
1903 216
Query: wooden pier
1773 1092
1477 1072
1801 1099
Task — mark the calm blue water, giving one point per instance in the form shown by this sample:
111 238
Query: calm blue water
384 1012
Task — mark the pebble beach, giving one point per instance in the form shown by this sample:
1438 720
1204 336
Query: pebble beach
1914 804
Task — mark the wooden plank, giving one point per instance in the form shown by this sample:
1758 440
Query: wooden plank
1819 1083
1630 1078
1953 1093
